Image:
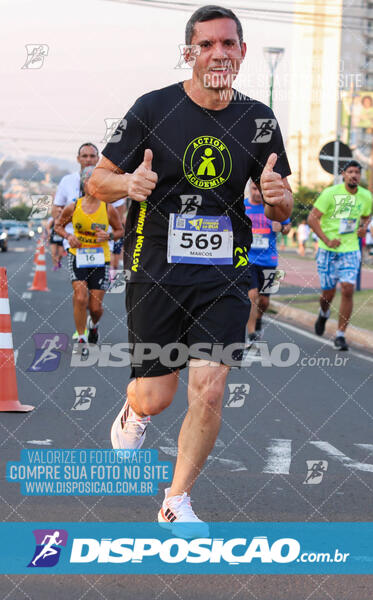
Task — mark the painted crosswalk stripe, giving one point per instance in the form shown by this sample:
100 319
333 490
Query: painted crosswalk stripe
279 457
40 442
20 316
337 455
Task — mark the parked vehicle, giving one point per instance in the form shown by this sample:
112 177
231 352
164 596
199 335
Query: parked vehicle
3 238
24 231
14 232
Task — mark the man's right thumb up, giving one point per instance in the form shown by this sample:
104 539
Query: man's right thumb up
148 157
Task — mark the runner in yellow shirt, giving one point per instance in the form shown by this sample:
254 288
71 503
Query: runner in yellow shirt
89 256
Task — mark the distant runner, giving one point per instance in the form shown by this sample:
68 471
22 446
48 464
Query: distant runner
56 246
263 256
89 256
339 217
70 189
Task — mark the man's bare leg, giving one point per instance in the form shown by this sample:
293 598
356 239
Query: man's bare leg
80 303
346 306
151 395
201 424
263 304
254 299
326 299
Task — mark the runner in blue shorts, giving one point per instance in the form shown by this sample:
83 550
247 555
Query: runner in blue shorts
339 217
263 257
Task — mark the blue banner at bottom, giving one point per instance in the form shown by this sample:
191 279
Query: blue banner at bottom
147 548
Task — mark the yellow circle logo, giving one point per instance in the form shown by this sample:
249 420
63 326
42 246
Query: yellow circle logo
207 162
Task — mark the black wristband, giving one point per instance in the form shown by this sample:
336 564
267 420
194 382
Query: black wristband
267 203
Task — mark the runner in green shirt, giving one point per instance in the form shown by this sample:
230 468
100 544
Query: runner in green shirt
339 217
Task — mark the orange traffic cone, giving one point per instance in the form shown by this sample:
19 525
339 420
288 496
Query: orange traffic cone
40 278
8 391
38 246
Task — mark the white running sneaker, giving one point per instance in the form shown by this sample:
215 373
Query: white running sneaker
128 429
81 347
178 515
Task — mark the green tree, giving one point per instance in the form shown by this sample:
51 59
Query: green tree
20 212
304 199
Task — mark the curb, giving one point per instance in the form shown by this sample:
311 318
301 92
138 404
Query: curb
355 335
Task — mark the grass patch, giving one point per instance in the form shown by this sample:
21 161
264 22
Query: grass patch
362 314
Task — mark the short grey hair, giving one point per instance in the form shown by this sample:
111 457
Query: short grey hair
208 13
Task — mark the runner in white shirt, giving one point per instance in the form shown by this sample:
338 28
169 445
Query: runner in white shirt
70 189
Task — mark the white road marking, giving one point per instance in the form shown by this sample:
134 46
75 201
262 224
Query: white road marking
279 457
365 446
336 454
233 465
20 316
321 340
40 442
27 295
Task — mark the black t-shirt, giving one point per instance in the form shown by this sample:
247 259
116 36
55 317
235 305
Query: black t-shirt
182 135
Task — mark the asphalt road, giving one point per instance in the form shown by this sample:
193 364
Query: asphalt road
304 407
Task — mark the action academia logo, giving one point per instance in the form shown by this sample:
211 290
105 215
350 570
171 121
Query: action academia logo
48 547
207 162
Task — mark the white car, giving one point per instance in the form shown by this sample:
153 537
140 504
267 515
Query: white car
14 233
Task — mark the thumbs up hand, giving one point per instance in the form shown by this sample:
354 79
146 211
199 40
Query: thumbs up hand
271 183
143 180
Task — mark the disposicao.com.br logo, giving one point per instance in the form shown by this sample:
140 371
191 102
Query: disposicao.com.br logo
147 548
233 551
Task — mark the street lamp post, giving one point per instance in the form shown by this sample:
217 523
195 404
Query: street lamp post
273 56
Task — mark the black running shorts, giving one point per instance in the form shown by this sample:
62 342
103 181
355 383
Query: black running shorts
257 278
55 239
97 278
169 324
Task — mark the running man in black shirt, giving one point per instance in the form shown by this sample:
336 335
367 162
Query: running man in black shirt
188 287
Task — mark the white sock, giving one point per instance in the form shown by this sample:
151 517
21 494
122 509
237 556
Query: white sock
340 333
138 417
326 314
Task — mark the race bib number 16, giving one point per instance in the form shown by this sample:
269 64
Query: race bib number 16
200 240
90 257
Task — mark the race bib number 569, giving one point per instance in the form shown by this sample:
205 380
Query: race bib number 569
200 240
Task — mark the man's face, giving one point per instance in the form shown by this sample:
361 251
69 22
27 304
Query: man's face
351 176
255 195
87 157
219 61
